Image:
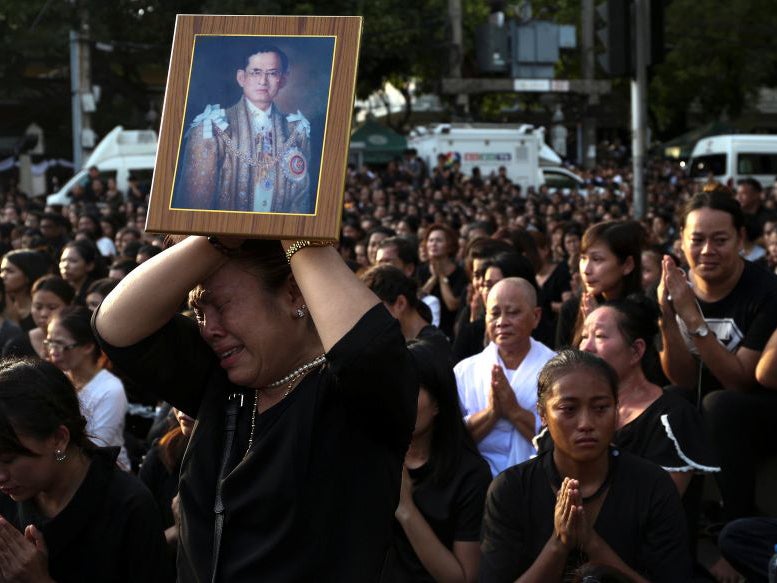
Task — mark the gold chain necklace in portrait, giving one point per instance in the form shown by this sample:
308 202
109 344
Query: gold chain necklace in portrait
264 162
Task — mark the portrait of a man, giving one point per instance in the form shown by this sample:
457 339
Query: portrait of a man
257 155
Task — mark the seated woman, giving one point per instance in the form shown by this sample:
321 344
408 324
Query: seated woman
80 264
19 270
161 467
471 338
13 341
68 513
662 427
443 487
582 501
98 290
442 277
89 226
73 349
50 294
610 267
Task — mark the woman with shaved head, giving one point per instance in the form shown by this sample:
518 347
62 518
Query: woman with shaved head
498 387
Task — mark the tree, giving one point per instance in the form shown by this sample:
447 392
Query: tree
720 54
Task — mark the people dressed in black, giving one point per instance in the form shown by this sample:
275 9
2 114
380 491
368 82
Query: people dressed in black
715 322
69 514
610 266
442 277
444 485
399 293
582 501
304 396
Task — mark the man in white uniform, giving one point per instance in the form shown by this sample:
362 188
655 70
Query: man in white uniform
498 387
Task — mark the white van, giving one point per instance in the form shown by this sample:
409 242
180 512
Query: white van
521 149
735 156
119 154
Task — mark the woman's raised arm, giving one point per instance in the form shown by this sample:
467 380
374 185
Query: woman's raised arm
152 293
336 298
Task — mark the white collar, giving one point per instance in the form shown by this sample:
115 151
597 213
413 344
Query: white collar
258 114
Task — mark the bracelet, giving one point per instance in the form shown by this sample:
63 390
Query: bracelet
301 244
223 249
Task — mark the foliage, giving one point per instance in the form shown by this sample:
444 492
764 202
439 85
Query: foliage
720 54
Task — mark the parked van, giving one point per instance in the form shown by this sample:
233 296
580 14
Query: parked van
119 155
521 149
735 156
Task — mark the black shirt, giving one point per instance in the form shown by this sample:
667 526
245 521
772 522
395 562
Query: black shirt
315 498
457 281
453 511
641 519
470 340
745 318
109 532
162 483
551 291
437 342
565 324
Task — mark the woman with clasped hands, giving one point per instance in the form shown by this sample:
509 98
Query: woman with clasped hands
67 512
582 501
306 485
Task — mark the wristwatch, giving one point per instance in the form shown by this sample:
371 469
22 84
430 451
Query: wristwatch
700 332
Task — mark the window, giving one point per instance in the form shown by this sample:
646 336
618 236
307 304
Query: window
702 166
754 163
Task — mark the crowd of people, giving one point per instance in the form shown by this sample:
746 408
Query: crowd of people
476 382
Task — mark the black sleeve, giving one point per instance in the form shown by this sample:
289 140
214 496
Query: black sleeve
679 441
467 342
376 375
565 326
174 362
145 557
155 476
502 537
665 548
763 324
470 502
458 282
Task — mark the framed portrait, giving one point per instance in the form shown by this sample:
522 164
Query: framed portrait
255 127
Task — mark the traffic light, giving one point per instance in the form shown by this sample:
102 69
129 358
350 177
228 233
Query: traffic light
657 31
613 29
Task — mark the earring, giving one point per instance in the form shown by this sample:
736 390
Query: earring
301 311
60 455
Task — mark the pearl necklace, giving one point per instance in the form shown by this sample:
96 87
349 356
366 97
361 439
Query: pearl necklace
289 378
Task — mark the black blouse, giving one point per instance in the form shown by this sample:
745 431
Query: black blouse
669 433
314 500
454 512
641 519
109 532
457 281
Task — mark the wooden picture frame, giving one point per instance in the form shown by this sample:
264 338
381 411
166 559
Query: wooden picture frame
255 127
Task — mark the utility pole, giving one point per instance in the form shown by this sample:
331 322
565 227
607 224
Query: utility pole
75 99
80 86
457 50
639 105
588 134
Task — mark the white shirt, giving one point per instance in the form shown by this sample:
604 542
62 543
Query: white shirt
434 306
260 120
504 446
104 405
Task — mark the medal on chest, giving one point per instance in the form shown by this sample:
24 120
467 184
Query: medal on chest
294 165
